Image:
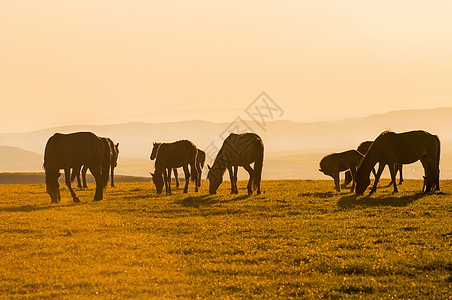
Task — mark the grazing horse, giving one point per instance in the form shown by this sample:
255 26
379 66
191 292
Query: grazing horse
174 155
114 153
363 148
200 160
391 148
238 150
66 151
335 163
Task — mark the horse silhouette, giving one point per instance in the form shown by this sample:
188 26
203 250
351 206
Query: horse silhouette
174 155
114 153
66 151
335 163
391 148
238 150
200 160
363 148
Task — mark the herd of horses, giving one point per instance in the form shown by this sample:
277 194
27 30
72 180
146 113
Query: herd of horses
80 151
391 149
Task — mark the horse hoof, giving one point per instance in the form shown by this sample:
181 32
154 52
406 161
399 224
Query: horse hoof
76 200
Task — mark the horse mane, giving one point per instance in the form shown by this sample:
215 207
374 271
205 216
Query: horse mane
387 131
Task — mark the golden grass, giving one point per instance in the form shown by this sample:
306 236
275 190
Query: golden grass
297 239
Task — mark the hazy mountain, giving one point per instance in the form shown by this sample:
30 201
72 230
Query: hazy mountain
14 159
292 149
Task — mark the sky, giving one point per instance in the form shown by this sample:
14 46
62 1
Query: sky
105 62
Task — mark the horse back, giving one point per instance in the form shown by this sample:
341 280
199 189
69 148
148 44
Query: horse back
74 149
175 155
342 161
406 147
242 149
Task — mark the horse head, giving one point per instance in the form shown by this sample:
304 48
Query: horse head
53 186
155 150
362 179
215 177
158 181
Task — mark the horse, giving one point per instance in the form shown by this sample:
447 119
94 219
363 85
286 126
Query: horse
363 148
391 148
174 155
114 153
238 150
200 160
335 163
66 151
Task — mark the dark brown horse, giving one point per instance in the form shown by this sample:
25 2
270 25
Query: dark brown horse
66 151
238 150
114 153
200 160
391 148
335 163
363 148
174 155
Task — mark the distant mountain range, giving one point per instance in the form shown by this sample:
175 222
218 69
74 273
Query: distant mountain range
292 149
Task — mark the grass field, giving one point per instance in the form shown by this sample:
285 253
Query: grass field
297 239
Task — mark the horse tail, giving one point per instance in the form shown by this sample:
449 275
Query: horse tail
105 163
258 164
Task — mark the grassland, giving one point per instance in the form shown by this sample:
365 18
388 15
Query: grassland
297 239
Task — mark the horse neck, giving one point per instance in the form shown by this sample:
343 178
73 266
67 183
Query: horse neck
221 165
369 161
159 166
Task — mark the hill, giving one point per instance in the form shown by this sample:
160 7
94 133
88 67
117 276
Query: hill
14 159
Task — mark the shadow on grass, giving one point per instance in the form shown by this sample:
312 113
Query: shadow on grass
318 194
353 201
206 200
197 201
32 208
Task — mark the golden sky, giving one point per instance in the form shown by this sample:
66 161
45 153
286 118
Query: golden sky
103 62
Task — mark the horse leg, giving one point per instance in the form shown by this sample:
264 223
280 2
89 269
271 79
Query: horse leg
336 181
95 171
199 169
231 178
194 173
84 170
234 179
250 182
167 179
187 178
400 167
374 172
67 175
427 174
353 173
176 176
393 171
76 173
381 167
